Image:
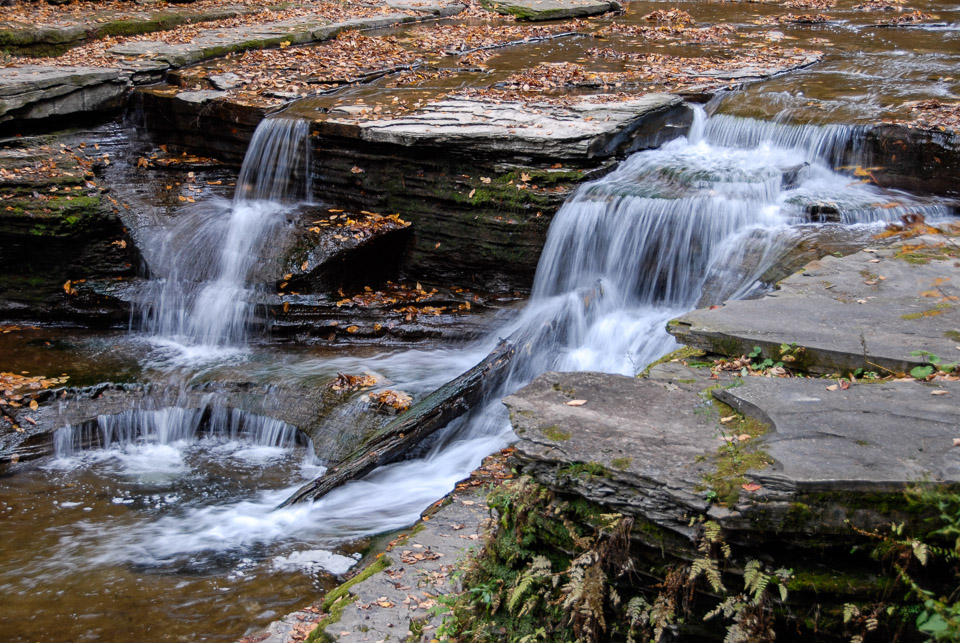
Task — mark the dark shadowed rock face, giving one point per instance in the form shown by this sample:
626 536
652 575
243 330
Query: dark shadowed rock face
910 158
62 240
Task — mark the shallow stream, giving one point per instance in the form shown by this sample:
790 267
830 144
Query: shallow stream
170 532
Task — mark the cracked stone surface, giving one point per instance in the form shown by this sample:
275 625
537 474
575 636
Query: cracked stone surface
867 437
869 310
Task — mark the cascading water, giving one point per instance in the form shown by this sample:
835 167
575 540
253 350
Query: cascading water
698 221
204 296
695 222
171 425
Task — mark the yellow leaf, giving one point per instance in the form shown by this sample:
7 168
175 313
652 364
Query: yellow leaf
34 405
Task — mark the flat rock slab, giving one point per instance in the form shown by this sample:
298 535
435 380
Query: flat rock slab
582 130
636 445
869 310
869 437
644 448
218 42
72 30
35 91
536 10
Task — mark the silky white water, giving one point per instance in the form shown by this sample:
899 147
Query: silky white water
202 292
694 223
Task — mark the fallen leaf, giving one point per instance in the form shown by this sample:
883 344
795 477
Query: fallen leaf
750 486
832 387
729 418
938 392
34 405
576 402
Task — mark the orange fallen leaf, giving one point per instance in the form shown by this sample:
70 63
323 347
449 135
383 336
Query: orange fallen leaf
750 486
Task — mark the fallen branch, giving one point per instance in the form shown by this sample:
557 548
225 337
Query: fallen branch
434 412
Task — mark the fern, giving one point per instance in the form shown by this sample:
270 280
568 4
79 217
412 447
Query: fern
707 567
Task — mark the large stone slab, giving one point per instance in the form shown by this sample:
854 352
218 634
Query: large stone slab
582 130
869 310
869 437
650 448
54 38
537 10
638 446
219 42
36 92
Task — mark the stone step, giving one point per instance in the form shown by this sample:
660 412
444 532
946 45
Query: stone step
876 310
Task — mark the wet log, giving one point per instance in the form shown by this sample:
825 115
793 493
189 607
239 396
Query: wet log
434 412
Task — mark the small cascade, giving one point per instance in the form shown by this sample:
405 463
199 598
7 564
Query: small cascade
204 296
172 425
823 143
694 223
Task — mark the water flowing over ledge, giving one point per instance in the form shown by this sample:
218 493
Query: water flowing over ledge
203 294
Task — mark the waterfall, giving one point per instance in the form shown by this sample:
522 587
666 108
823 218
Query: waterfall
204 296
170 425
694 223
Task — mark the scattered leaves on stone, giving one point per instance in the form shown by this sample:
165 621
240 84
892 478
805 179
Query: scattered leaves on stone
345 382
395 401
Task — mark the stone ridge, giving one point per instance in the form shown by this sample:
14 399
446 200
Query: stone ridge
36 92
